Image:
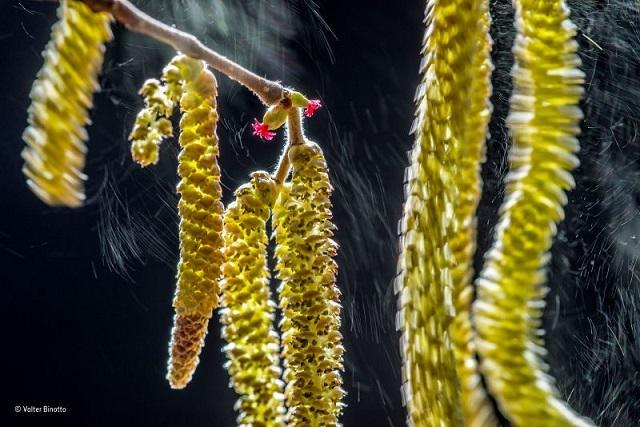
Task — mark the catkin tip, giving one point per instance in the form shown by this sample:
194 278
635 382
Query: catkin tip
187 339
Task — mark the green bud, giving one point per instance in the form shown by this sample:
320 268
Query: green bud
298 100
275 117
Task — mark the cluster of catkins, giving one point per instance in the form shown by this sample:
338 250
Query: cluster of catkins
444 330
223 253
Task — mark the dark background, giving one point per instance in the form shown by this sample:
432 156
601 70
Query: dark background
86 294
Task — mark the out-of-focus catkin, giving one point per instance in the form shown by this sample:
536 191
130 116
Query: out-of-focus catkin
476 405
61 98
200 209
544 122
309 297
248 311
433 274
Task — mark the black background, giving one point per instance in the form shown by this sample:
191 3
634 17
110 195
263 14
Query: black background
86 294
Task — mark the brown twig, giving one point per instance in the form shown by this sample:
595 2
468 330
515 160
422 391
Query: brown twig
283 167
294 127
134 19
294 131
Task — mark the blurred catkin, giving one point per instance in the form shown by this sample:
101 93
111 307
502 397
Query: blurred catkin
200 208
476 405
248 311
61 98
309 297
544 123
434 268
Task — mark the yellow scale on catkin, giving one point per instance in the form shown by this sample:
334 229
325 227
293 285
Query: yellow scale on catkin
437 236
544 122
309 297
152 125
190 84
477 408
61 98
248 311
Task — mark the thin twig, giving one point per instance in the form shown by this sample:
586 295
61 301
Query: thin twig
134 19
294 131
294 127
283 166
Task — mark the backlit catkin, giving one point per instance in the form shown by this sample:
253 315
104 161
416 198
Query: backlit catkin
309 298
248 311
152 124
61 98
544 122
454 51
477 408
200 210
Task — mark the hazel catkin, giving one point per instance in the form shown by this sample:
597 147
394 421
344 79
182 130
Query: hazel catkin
309 297
248 312
152 125
544 123
61 97
428 291
478 410
200 208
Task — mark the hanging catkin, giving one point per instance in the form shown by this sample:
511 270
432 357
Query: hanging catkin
477 408
152 125
455 48
61 98
309 298
200 210
544 122
248 311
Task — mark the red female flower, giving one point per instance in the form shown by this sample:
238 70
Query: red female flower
314 104
262 130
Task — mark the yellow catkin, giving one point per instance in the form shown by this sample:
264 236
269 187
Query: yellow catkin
152 124
309 297
477 408
61 98
200 210
434 268
248 311
544 122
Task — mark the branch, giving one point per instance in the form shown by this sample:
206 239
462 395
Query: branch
134 19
